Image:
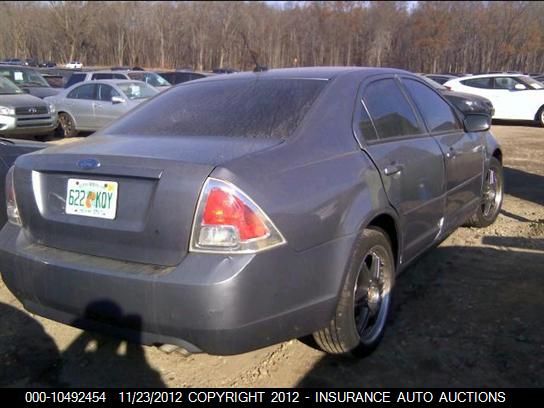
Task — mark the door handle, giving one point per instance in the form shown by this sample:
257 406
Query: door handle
450 154
393 169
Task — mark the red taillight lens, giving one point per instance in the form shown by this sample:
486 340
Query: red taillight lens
448 87
228 221
223 208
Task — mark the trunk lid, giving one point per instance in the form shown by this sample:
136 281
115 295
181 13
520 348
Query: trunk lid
158 185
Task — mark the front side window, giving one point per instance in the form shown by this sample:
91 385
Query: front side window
258 108
106 92
390 111
437 114
505 83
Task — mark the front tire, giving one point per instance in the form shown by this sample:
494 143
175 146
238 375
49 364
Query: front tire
362 311
66 126
492 196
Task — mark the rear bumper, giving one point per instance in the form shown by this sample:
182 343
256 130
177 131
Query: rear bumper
213 303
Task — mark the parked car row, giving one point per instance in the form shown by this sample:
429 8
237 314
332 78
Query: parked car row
238 211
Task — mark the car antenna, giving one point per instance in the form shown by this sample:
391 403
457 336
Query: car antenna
254 55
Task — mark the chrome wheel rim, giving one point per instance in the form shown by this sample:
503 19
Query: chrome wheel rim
66 124
492 194
372 294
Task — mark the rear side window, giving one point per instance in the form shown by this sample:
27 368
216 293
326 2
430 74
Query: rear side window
74 79
392 114
86 91
438 115
259 108
102 76
484 83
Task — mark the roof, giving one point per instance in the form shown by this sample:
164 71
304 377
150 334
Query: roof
323 73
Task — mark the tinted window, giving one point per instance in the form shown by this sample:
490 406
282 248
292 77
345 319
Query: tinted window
105 92
242 107
366 127
74 79
505 83
104 76
390 110
83 92
437 114
484 83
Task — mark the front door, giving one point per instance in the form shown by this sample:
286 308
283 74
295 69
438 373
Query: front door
462 152
410 162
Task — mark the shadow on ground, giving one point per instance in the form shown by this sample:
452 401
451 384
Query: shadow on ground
527 186
30 357
461 317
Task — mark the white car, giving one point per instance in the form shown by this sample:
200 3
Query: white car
74 65
514 96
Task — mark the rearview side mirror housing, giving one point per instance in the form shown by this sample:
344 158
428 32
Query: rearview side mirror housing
476 122
117 99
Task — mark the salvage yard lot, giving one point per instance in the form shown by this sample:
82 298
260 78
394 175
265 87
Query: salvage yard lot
468 313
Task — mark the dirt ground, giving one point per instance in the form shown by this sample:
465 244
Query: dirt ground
467 314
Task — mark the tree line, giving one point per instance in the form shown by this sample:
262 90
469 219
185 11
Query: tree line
424 36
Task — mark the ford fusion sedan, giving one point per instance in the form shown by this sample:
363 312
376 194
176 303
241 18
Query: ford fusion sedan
514 97
23 114
238 211
91 105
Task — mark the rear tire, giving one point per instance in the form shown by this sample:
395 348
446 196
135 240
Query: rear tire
540 116
363 308
66 126
492 196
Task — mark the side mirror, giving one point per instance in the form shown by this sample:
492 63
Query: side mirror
520 87
117 99
476 122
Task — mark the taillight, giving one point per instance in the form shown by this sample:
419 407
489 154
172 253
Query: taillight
11 201
228 221
447 87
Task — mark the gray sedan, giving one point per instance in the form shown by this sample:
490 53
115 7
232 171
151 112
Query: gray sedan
91 105
238 211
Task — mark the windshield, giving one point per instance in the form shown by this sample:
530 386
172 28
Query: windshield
530 82
23 77
259 108
137 90
150 78
8 88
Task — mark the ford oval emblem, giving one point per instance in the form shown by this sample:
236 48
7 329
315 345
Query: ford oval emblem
88 164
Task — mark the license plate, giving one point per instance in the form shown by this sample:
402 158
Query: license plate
91 198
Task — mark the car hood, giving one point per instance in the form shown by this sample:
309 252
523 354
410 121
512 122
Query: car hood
41 91
20 100
466 96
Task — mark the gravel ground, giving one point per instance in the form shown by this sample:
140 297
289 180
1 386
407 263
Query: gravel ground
467 314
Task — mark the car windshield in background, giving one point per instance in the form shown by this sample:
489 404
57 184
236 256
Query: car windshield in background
530 82
135 90
264 108
150 78
433 83
23 77
8 88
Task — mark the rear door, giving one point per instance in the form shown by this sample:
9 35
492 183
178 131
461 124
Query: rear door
463 152
409 160
80 103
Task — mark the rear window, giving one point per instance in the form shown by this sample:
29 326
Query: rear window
263 108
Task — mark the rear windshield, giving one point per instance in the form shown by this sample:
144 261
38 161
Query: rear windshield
263 108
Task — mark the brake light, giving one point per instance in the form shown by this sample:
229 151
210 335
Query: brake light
11 201
228 221
448 87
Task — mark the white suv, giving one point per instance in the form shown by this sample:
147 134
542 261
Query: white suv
514 97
